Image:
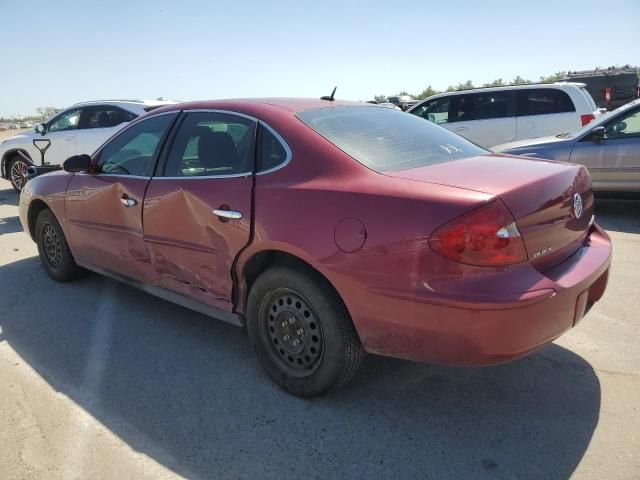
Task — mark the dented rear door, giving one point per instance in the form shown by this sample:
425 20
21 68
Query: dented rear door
197 211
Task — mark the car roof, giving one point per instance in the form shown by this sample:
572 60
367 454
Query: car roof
144 103
557 85
285 103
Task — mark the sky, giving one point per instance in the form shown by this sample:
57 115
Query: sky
63 52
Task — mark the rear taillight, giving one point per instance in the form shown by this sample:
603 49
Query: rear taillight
487 236
585 119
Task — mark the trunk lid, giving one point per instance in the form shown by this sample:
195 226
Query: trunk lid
540 194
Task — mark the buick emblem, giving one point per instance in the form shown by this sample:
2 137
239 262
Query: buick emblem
577 205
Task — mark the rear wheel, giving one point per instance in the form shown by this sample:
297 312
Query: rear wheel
301 332
53 249
18 172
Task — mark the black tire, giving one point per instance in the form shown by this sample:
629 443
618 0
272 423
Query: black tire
282 302
53 249
17 172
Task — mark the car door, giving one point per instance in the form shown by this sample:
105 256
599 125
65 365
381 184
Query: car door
97 124
59 137
613 161
104 208
543 112
198 209
485 118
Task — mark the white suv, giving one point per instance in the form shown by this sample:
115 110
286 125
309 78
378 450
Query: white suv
81 128
496 115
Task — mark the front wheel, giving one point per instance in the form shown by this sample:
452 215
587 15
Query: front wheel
53 249
18 173
302 332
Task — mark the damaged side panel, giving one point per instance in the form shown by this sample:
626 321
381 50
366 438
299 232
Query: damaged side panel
192 249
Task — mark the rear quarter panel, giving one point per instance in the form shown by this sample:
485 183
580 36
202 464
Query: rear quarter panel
298 208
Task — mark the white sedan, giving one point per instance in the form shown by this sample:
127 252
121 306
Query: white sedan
79 129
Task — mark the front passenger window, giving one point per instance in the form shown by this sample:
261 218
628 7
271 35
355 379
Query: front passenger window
133 151
436 111
65 121
626 127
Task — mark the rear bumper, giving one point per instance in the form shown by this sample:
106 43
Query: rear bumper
481 331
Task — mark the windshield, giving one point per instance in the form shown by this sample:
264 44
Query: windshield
387 140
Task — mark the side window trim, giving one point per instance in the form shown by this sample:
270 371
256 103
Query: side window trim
282 142
154 160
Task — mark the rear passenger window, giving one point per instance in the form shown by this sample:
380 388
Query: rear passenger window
105 117
272 151
211 144
543 101
482 106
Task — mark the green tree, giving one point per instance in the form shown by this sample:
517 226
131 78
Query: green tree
556 77
427 92
380 98
520 81
468 85
496 83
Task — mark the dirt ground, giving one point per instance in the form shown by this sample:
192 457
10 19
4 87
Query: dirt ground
101 381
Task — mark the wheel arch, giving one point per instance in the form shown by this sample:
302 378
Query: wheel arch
265 259
35 207
8 155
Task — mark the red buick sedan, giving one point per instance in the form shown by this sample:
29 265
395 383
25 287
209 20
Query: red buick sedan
329 229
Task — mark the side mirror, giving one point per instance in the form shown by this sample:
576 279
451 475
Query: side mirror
41 128
597 134
77 163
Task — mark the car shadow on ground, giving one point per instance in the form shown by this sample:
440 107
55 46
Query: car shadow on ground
187 391
618 214
10 225
8 196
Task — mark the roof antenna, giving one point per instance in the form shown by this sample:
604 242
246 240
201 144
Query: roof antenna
330 98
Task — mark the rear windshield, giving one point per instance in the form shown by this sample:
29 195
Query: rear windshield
387 140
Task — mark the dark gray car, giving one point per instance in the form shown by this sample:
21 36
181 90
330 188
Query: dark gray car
609 147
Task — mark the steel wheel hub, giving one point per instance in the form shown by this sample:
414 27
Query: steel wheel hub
52 246
293 330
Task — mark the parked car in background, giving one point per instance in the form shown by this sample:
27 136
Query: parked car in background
329 229
403 102
389 105
80 128
3 127
608 147
491 116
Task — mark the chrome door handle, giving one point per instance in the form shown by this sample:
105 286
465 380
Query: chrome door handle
127 202
461 129
230 214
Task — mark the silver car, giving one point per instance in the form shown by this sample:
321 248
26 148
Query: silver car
609 147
